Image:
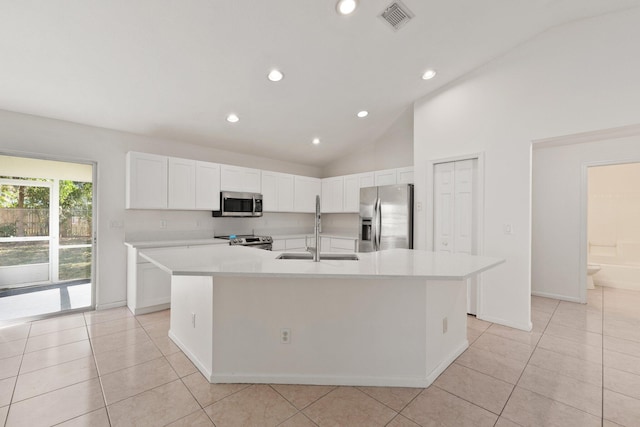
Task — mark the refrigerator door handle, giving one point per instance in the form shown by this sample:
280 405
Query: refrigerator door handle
378 223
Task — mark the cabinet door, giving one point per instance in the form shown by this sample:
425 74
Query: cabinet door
285 192
182 184
207 186
332 194
237 178
154 286
343 245
351 194
279 245
251 178
386 177
405 175
146 181
305 191
269 190
367 179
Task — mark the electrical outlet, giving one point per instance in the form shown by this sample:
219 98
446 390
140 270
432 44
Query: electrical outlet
285 336
508 229
445 325
193 320
163 223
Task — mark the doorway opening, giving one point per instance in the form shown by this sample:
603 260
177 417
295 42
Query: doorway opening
46 237
613 226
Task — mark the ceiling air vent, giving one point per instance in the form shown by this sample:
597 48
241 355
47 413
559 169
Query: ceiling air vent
396 15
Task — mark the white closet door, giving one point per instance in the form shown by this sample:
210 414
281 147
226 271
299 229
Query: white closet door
455 214
463 206
444 207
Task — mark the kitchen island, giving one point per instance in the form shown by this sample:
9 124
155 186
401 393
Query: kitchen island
391 318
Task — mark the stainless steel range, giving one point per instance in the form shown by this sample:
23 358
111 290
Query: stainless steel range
258 242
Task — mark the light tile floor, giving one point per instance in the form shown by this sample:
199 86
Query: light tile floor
579 367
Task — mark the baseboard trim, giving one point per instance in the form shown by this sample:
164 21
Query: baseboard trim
433 375
516 325
201 366
111 305
556 296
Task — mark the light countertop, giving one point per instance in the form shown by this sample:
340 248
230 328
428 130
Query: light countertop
223 260
172 243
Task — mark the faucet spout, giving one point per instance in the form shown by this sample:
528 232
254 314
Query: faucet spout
316 231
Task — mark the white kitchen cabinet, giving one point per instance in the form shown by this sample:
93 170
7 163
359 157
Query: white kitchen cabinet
332 195
181 184
339 244
386 177
277 192
146 181
367 179
293 244
352 185
207 189
236 178
148 287
334 244
405 175
305 190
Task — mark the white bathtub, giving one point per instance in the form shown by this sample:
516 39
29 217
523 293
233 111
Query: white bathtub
625 276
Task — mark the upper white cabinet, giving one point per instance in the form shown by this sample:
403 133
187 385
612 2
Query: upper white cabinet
305 191
182 184
207 186
277 192
332 194
352 185
386 177
161 182
146 181
405 175
236 178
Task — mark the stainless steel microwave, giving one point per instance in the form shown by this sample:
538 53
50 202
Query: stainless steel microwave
233 203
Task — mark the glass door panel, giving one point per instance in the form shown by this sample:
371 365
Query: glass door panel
24 232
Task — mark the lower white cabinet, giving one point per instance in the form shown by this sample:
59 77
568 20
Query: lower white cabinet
295 244
327 244
148 287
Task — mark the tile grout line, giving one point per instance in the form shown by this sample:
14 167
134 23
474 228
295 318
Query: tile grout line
104 398
528 360
17 375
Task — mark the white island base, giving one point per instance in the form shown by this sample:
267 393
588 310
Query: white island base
383 331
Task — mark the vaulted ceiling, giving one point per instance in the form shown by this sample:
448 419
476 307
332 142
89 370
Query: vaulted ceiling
176 69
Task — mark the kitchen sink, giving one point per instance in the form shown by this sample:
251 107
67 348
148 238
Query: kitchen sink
327 256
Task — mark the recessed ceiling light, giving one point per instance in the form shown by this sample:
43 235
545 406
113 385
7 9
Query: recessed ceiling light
275 75
429 74
316 141
233 118
346 7
363 113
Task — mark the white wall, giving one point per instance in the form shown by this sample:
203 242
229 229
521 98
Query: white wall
32 136
558 206
393 149
575 78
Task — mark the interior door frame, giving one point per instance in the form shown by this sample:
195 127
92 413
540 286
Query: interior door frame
94 213
584 218
430 213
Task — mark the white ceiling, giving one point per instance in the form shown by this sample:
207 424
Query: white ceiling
175 69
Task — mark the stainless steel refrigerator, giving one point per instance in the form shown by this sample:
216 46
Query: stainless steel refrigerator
386 217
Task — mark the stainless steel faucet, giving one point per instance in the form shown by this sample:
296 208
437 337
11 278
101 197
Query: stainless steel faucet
316 231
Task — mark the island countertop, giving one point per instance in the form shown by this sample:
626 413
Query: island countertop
222 260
